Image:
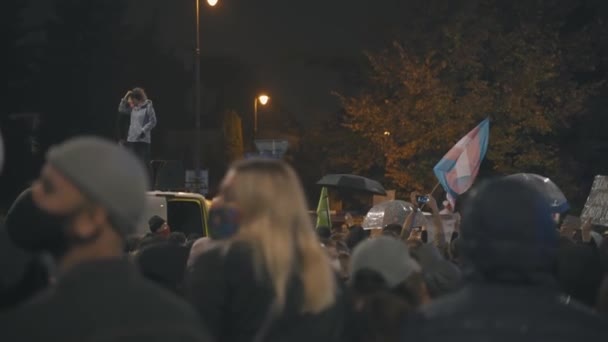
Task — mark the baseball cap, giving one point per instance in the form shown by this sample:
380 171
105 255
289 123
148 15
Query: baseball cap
387 256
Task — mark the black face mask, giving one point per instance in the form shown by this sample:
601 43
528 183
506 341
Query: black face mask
35 230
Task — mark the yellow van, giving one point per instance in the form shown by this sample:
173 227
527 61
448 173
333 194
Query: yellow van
184 211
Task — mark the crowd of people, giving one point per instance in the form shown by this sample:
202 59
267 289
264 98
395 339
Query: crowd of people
72 271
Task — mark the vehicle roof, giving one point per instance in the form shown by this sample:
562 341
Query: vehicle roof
177 194
181 194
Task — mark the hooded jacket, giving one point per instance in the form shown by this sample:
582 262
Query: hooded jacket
143 120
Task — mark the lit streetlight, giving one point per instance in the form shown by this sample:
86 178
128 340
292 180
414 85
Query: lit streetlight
263 100
197 91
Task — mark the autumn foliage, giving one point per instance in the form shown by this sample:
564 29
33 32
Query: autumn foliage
430 88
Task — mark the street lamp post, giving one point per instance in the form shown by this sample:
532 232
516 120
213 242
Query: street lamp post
263 100
197 92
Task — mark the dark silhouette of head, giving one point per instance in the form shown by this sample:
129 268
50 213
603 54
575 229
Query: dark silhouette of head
324 232
393 228
507 232
357 235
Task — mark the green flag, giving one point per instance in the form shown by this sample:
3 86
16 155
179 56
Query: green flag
323 215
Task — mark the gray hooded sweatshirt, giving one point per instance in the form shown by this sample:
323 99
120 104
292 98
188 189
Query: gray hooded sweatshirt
143 120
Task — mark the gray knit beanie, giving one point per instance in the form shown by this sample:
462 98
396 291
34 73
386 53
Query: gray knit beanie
106 174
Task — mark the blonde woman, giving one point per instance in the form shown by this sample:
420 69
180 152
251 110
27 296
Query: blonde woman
269 279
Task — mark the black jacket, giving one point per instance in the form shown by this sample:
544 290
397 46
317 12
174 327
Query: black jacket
234 303
486 312
165 264
21 274
103 301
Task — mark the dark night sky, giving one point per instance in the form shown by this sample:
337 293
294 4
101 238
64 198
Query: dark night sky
277 38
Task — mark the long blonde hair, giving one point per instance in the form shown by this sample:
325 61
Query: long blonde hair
275 222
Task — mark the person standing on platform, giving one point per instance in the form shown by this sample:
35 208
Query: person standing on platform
143 120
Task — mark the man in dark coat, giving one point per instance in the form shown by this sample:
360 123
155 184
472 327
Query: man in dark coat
509 244
21 274
94 190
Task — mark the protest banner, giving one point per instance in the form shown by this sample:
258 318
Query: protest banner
596 207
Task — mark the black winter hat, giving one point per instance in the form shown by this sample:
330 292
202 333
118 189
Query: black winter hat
507 227
155 223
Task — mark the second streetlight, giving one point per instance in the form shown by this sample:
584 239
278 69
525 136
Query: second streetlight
263 100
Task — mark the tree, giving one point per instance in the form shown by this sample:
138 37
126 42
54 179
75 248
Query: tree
332 148
329 147
479 64
233 136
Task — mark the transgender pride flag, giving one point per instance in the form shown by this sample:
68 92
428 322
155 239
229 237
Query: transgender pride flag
457 170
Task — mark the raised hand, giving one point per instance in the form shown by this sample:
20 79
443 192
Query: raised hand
413 196
433 203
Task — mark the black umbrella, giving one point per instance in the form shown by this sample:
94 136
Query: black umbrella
352 182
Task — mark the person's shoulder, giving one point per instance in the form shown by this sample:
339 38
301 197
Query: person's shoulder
450 304
160 334
15 323
239 248
156 298
237 255
222 253
582 314
232 259
229 250
154 314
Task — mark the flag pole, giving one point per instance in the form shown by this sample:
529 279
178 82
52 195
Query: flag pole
328 211
420 208
435 188
432 193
